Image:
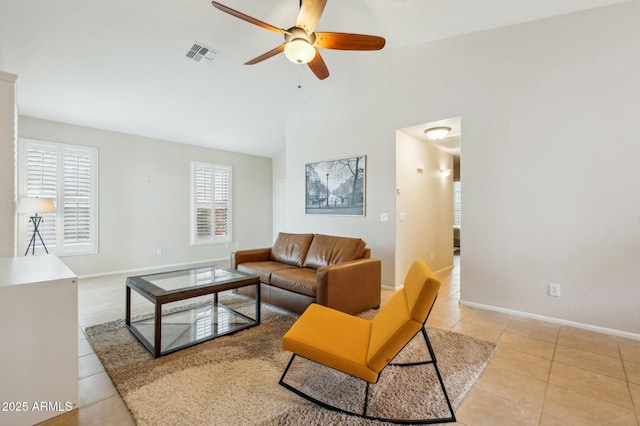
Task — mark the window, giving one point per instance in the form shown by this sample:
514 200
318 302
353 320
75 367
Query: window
457 203
210 203
68 175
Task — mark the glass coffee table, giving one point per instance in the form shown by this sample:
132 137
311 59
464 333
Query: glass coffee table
195 323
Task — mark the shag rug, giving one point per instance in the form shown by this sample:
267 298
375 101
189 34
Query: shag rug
233 380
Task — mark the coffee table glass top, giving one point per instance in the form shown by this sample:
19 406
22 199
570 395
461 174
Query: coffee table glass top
188 279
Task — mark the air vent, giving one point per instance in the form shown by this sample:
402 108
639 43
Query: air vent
202 54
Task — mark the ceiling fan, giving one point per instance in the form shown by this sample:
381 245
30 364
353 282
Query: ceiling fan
301 43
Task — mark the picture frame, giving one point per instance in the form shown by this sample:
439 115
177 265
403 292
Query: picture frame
336 187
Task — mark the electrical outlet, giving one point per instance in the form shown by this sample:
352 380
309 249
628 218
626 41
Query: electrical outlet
554 290
159 251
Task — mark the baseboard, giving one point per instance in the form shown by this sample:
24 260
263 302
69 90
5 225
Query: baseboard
583 326
158 268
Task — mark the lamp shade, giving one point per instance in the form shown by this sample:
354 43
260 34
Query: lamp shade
35 205
299 51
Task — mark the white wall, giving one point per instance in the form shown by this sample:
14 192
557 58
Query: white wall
348 119
7 137
426 201
549 112
144 198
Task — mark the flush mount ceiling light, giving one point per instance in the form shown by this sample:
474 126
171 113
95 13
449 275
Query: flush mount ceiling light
435 133
299 51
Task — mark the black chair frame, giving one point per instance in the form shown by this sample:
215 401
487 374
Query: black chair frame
364 415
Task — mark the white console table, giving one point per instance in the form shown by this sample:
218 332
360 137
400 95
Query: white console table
39 339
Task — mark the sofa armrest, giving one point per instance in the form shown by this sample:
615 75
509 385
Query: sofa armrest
254 255
351 287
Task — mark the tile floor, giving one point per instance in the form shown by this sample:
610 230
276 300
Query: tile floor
541 374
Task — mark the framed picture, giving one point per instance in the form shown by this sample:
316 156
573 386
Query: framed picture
336 187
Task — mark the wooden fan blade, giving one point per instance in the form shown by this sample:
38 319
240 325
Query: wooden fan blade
272 52
310 13
248 18
318 66
346 41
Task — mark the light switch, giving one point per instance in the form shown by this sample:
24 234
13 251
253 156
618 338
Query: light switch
384 217
403 216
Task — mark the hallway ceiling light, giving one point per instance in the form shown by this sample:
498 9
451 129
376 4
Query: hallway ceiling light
436 133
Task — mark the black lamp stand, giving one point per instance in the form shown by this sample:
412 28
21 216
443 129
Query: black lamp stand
32 244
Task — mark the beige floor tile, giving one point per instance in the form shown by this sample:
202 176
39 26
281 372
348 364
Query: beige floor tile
633 372
478 331
111 411
630 352
590 361
546 420
535 347
84 347
89 365
95 388
635 395
99 317
512 386
535 329
446 311
627 341
589 341
443 323
578 409
453 301
520 362
481 408
489 319
591 384
444 317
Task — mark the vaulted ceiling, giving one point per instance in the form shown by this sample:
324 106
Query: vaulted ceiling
121 65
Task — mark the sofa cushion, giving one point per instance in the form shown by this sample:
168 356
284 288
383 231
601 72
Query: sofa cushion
291 248
298 280
263 269
329 250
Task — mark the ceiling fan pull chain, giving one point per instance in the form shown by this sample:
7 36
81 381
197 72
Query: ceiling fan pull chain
299 76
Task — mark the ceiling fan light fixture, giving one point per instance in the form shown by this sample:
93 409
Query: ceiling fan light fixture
436 133
299 51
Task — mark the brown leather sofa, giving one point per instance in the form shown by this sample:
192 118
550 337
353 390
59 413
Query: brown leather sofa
301 269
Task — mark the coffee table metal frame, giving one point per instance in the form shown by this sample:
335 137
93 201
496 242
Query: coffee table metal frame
144 286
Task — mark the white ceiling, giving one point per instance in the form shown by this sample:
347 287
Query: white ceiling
120 64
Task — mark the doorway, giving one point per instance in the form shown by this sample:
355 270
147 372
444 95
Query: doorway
426 169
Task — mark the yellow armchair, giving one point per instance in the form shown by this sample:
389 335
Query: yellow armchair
363 348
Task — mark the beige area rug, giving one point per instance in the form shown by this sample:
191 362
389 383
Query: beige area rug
233 380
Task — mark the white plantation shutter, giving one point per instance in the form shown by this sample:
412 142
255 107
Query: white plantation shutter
42 181
210 203
204 203
68 175
77 198
221 201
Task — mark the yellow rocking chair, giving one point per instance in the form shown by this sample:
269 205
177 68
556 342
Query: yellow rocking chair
363 348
